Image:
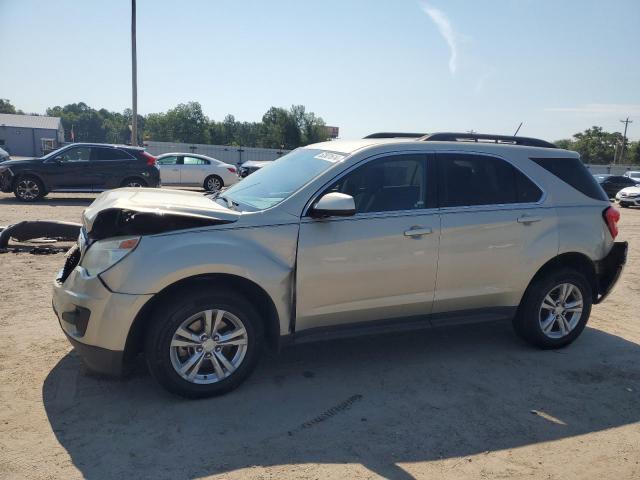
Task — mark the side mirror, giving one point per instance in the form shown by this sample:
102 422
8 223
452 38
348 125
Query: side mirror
334 204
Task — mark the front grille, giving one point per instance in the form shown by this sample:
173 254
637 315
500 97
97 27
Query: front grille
71 261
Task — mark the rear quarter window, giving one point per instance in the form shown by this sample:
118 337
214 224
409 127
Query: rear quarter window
574 173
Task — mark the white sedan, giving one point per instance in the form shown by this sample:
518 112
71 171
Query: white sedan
194 170
629 197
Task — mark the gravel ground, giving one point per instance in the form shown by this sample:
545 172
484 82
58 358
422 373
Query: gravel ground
459 402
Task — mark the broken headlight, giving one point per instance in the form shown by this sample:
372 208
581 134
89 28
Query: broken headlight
104 254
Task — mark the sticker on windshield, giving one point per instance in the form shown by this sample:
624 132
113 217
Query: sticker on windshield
330 157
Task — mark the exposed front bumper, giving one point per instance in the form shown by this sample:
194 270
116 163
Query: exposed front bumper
6 179
629 201
96 320
609 269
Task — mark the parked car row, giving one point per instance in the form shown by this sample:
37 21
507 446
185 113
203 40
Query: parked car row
80 167
88 167
194 170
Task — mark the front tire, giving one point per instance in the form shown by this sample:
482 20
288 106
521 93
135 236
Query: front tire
28 189
555 309
204 344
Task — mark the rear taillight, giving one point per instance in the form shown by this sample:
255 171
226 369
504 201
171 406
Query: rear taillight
232 169
151 160
611 217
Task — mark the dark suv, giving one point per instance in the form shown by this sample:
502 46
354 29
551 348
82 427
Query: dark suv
80 167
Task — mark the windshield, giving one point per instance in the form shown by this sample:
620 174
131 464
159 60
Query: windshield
634 175
279 179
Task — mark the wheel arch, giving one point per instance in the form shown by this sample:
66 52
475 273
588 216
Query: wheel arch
29 173
134 177
254 293
574 260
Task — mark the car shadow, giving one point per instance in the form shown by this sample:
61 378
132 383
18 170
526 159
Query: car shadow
375 401
50 202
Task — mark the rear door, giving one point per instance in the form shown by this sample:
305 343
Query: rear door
379 263
495 230
194 170
111 166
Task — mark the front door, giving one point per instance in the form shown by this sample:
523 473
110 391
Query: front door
71 169
379 263
495 231
169 170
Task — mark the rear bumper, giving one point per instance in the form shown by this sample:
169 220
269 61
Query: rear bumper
609 269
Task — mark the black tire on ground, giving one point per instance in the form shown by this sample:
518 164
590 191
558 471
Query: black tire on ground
28 188
169 315
213 183
624 205
527 321
133 182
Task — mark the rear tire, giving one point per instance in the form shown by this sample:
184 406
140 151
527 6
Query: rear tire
133 182
213 183
547 318
181 336
28 189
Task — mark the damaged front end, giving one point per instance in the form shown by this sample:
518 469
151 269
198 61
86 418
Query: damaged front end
116 222
6 180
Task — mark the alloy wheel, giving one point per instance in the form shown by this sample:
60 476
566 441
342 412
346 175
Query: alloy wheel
208 346
214 184
561 310
28 189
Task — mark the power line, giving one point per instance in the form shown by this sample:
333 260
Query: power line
134 78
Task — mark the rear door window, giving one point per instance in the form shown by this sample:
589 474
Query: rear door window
195 161
108 154
467 180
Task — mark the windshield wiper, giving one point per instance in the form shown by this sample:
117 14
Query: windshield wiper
230 203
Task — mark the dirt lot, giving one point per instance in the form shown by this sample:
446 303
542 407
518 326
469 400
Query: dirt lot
463 402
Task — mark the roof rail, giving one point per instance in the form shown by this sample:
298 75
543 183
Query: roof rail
395 135
483 137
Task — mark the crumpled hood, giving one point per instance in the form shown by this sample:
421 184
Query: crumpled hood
160 203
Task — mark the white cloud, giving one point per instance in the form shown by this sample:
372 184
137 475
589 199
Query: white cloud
600 109
441 21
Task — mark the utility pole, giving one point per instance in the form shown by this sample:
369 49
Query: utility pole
134 78
624 137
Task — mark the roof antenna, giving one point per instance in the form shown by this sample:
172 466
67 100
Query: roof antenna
518 129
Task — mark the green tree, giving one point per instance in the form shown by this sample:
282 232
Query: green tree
594 145
279 130
633 154
565 143
7 107
187 124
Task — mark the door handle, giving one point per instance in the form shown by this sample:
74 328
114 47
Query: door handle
417 231
526 219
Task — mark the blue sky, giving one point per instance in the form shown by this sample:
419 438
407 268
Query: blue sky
365 66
